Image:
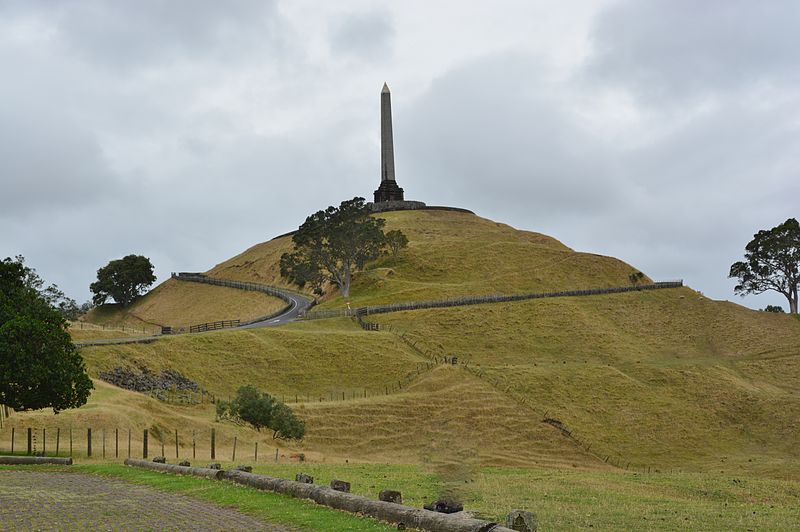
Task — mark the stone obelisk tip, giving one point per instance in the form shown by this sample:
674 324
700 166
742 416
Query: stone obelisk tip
385 88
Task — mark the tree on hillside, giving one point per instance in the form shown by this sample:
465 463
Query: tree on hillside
39 365
261 410
333 244
396 241
123 280
772 263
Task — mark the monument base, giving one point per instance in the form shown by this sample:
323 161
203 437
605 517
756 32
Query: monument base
388 191
383 206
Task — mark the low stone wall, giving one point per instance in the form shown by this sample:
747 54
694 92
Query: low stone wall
34 460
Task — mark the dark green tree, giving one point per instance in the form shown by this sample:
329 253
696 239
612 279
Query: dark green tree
333 244
771 263
396 241
777 309
123 280
39 365
261 410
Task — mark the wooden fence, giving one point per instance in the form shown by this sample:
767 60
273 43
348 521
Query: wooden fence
214 326
119 443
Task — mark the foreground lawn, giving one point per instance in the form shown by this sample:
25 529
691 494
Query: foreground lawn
561 499
569 500
271 507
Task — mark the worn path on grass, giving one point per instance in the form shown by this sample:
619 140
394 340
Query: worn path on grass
36 500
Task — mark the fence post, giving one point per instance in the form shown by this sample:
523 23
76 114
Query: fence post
213 444
44 441
104 442
255 458
12 440
176 444
276 455
129 442
116 442
194 446
30 441
70 441
89 442
58 439
234 450
144 445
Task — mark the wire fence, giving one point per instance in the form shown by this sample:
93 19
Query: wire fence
481 300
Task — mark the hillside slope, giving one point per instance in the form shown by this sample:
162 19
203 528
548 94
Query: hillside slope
662 379
181 304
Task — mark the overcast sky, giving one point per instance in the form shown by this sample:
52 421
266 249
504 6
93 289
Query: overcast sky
664 133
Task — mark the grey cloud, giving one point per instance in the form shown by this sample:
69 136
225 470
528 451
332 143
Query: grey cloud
494 129
667 49
367 36
47 162
134 34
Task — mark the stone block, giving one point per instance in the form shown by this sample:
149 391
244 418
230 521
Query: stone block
522 521
340 485
245 468
185 463
305 479
160 460
215 466
391 496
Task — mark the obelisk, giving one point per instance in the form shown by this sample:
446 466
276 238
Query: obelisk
388 190
387 142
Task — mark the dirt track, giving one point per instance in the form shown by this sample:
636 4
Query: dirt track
35 500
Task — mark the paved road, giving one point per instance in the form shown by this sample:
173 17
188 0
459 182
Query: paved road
36 500
298 304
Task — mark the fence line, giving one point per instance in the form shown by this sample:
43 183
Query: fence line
480 300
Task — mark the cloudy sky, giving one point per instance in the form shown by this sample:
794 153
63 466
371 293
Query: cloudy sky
663 132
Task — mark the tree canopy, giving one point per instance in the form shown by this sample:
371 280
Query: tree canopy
333 244
771 263
123 280
396 241
39 365
261 410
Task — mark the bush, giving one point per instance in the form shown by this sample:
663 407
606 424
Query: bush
260 410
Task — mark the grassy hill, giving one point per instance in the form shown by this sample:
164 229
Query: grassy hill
181 304
662 379
450 254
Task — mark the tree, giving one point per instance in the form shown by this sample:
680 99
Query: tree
772 263
261 410
333 244
395 241
777 309
39 365
123 280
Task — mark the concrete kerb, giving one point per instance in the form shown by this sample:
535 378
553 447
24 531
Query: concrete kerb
385 511
213 474
34 460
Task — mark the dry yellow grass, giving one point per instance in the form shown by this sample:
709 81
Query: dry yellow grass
450 254
306 359
665 379
181 304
